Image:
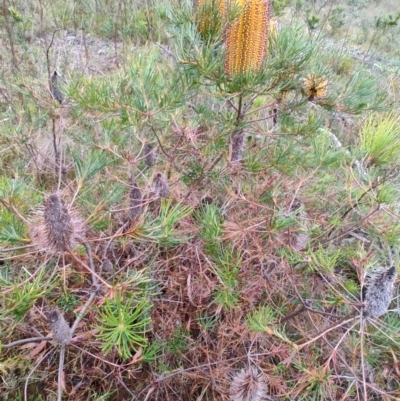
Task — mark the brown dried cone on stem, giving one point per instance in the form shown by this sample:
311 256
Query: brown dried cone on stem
149 154
56 229
248 385
135 201
378 292
237 146
55 91
161 186
59 327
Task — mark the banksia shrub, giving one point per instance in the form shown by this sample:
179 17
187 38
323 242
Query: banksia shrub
248 385
56 229
315 87
60 328
378 292
246 38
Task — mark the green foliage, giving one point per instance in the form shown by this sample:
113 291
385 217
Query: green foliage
325 260
123 324
261 320
209 217
380 139
21 296
148 89
210 274
90 164
227 266
162 230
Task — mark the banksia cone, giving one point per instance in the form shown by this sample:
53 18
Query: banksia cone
315 87
161 186
135 201
149 154
237 146
56 229
246 39
378 292
60 328
248 385
55 91
209 16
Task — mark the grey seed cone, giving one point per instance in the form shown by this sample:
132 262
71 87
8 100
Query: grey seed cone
248 385
55 91
161 186
378 292
58 223
56 229
237 146
135 201
149 154
60 328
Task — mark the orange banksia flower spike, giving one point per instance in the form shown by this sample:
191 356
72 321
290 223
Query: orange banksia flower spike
246 39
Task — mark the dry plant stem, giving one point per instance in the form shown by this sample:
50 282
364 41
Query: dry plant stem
359 225
25 341
31 373
90 271
10 207
321 334
104 360
84 309
237 137
60 373
10 36
48 52
17 248
364 381
337 345
91 264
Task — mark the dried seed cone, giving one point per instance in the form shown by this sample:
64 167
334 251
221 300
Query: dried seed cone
55 91
246 39
161 186
135 201
60 328
149 155
378 292
248 385
315 87
56 229
237 146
